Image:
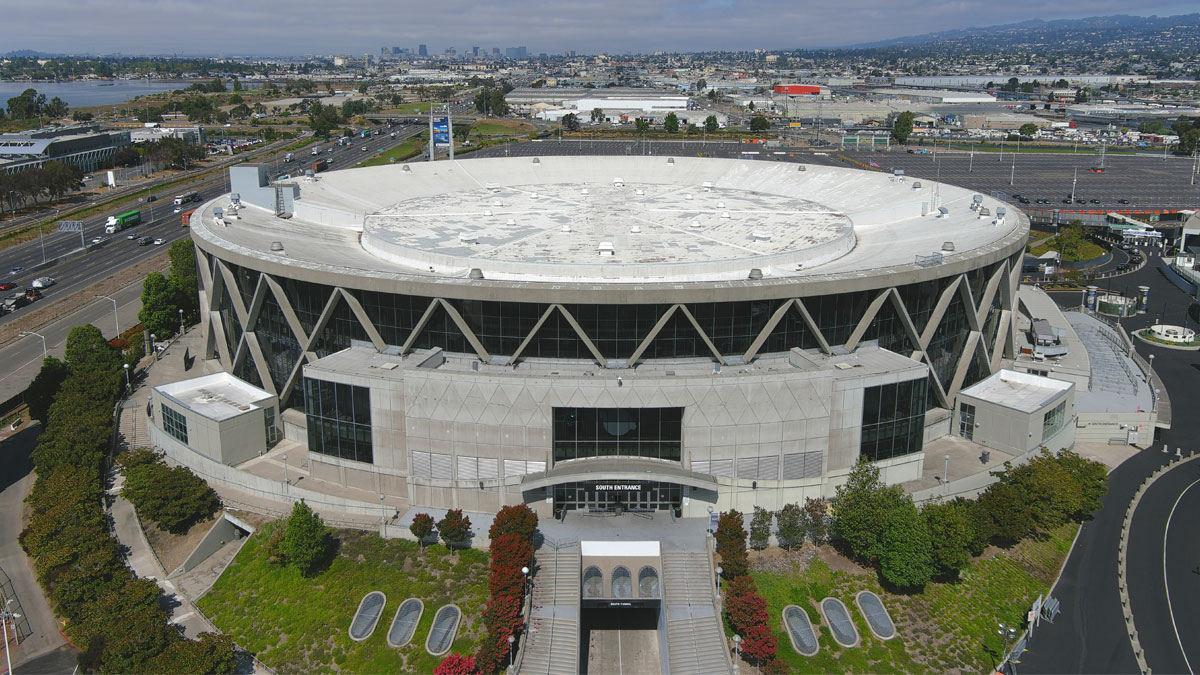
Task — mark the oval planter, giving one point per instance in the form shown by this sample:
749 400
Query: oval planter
841 626
444 628
800 631
366 617
878 619
404 624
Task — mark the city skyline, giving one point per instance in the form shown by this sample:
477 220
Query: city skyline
272 27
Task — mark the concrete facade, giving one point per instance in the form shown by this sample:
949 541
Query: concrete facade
226 419
1011 409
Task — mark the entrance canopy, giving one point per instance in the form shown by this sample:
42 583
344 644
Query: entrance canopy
616 469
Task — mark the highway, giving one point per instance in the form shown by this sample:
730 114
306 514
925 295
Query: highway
74 266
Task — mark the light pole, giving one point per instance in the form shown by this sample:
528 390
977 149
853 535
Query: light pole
971 165
8 617
116 323
720 571
525 573
382 518
511 639
42 241
43 337
128 385
737 651
285 476
181 323
946 473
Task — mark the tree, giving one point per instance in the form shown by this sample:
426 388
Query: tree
45 386
183 278
158 313
760 528
714 95
305 541
671 123
731 544
212 653
711 125
172 497
1006 512
570 122
759 123
758 644
750 106
1028 129
641 125
1092 477
859 508
951 534
456 664
597 115
422 527
88 352
519 519
905 558
27 105
455 528
816 519
790 526
903 126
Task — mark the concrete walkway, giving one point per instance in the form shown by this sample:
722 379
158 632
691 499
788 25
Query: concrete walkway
144 563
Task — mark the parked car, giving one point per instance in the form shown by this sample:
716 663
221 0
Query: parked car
43 282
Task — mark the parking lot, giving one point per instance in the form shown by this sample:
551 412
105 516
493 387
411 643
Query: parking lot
1147 182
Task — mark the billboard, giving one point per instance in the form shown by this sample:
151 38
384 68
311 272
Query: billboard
797 89
441 132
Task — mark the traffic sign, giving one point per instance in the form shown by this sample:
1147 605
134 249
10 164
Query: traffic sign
70 226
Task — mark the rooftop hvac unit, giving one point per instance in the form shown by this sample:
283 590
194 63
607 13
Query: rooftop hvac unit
533 195
635 229
707 184
492 186
947 246
510 221
984 212
497 203
487 212
1000 211
724 214
584 191
688 196
564 228
761 234
755 274
720 205
468 238
618 181
476 273
670 160
802 168
696 225
639 192
943 212
605 248
917 185
536 160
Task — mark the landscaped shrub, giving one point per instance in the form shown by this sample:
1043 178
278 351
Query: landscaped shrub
789 525
731 544
456 664
455 528
816 519
519 519
173 498
422 527
760 528
510 552
305 541
746 612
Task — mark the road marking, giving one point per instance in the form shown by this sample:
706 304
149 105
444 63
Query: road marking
620 663
1166 588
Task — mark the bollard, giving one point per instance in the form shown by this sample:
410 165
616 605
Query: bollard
1179 452
1164 448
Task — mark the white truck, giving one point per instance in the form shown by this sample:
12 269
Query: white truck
180 200
289 157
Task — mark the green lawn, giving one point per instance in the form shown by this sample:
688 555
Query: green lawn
942 629
1087 250
298 625
497 128
410 148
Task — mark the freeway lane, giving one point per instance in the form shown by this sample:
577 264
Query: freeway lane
78 269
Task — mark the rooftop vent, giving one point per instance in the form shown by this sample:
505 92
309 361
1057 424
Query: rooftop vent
497 203
564 228
761 234
606 248
533 195
688 196
468 237
536 160
510 221
720 205
492 186
277 246
696 225
984 212
755 273
917 185
584 191
707 184
635 229
476 273
802 168
947 246
618 181
724 214
639 192
487 212
406 168
943 212
670 160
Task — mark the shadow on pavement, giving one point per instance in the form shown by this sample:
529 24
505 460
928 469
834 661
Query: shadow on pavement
15 455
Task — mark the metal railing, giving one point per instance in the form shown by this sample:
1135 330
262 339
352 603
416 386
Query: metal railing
20 618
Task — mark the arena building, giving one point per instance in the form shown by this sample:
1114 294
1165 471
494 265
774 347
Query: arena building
601 333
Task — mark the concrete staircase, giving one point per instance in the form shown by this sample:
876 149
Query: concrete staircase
552 640
695 642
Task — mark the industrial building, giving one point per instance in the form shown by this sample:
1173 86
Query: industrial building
602 333
84 146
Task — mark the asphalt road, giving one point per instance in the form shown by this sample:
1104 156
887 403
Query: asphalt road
75 266
1089 636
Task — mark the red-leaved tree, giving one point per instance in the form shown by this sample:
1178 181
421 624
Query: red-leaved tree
731 544
758 645
745 611
519 519
456 664
509 553
422 527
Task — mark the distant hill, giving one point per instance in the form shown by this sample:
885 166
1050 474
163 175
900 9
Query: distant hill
23 54
1178 34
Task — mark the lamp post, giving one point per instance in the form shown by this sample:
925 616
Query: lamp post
720 571
181 323
525 573
116 323
128 385
285 476
511 639
382 518
737 651
43 337
7 617
946 472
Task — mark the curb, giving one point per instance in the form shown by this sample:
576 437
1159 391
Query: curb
1123 548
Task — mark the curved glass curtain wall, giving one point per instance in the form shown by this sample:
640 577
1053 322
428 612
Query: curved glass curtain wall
615 330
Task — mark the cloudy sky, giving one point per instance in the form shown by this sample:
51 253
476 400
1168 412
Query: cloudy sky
235 27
